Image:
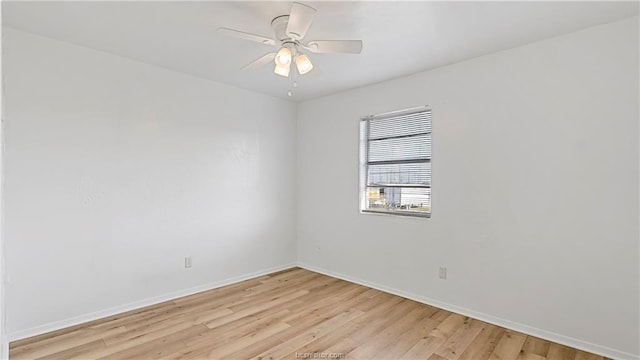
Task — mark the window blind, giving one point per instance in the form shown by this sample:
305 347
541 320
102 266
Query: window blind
396 163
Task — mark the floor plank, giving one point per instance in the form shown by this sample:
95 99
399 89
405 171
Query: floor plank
509 346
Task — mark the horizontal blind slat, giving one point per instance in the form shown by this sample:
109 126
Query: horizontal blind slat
417 173
418 146
400 125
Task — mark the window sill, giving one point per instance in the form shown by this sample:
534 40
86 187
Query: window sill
397 213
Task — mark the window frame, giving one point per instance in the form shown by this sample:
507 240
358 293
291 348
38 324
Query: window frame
364 163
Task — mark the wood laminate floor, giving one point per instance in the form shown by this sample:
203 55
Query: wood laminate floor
291 314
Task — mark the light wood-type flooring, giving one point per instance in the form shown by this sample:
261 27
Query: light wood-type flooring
291 314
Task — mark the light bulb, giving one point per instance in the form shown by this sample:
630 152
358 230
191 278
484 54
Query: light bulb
282 70
303 63
283 57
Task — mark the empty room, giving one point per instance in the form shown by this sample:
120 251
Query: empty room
320 180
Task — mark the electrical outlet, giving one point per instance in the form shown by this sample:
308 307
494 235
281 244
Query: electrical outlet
442 273
187 262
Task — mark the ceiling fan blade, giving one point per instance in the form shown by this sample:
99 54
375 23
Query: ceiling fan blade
335 46
247 36
260 62
300 18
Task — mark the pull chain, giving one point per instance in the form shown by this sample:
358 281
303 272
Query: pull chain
292 73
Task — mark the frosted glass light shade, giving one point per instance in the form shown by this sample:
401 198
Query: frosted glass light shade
282 70
283 57
303 63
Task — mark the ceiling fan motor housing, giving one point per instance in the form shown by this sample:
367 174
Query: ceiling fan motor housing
279 26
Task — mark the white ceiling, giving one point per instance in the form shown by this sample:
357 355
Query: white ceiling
400 38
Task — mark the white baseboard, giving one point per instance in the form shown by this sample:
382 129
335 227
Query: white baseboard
57 325
543 334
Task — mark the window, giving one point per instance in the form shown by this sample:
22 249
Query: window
395 163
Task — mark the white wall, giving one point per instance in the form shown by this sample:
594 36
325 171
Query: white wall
4 345
535 189
116 170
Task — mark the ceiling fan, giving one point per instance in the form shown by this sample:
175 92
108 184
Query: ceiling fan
290 31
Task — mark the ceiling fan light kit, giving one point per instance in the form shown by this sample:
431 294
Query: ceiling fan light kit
290 31
283 62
